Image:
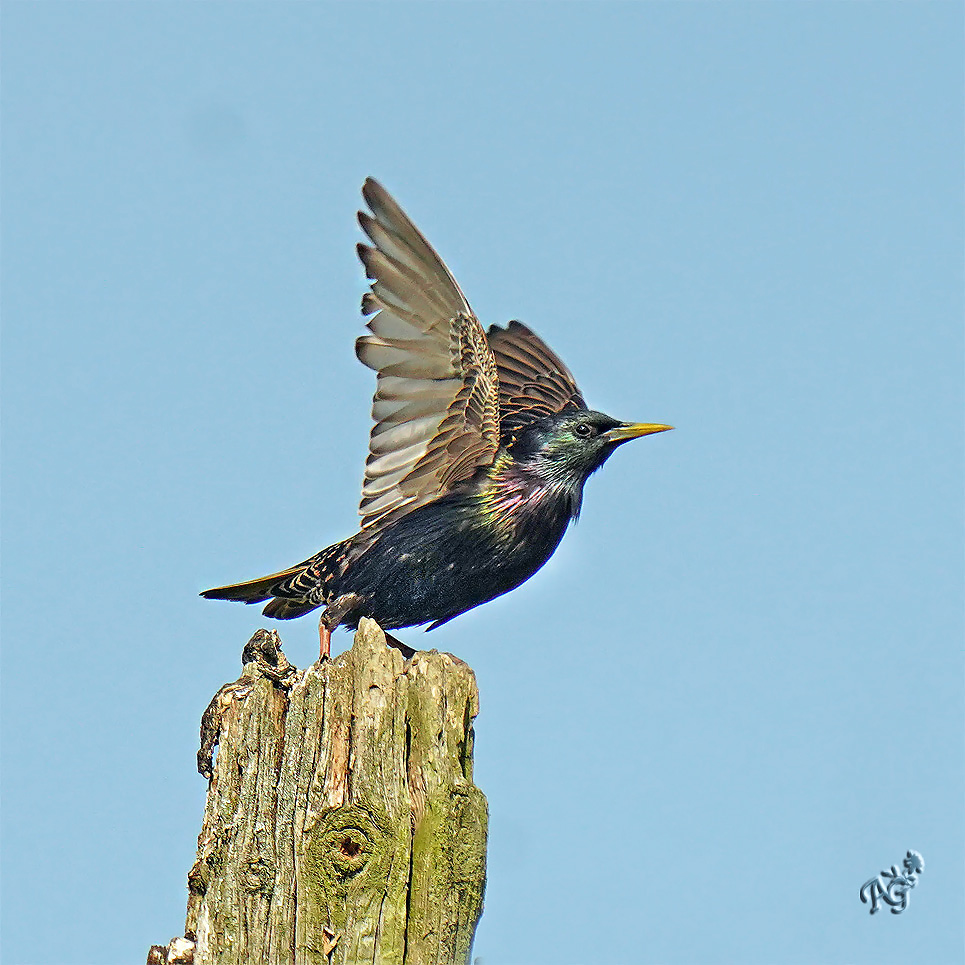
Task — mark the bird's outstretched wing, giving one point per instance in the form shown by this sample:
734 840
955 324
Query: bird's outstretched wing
533 381
436 406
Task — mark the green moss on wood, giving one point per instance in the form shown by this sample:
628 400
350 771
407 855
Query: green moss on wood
342 825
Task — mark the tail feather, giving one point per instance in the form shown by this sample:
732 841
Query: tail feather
253 591
292 592
282 609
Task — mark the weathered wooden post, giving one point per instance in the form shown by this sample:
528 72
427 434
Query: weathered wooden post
342 823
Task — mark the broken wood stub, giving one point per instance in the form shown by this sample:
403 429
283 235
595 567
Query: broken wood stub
342 823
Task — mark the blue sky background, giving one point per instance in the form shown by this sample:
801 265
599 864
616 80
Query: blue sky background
736 692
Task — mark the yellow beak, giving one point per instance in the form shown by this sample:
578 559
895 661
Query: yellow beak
633 431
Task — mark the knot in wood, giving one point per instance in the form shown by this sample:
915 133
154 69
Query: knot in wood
259 876
346 841
349 849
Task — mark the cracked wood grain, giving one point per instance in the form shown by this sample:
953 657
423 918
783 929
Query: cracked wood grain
342 823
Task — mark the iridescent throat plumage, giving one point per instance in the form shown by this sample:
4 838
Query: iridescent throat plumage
550 460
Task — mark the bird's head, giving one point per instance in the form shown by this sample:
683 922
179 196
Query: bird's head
564 450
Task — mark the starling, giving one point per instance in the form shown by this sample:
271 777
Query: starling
478 455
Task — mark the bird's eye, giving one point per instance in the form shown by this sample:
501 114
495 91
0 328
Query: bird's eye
583 429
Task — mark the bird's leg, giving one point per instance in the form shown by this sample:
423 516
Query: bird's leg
405 649
331 617
324 640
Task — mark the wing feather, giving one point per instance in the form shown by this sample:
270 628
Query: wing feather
533 380
436 405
